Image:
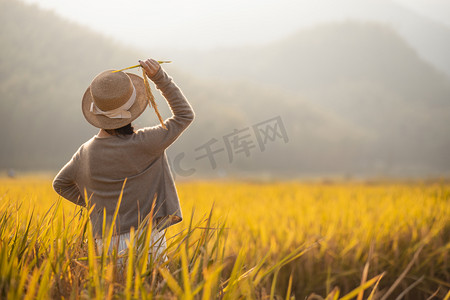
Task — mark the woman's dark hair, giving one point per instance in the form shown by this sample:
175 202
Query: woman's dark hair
125 130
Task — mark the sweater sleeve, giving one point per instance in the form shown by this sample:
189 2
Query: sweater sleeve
157 138
65 185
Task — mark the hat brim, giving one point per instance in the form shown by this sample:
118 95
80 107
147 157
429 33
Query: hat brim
101 121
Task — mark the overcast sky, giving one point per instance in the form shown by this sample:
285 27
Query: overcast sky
205 24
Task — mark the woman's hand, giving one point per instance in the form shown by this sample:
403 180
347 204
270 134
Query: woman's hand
150 66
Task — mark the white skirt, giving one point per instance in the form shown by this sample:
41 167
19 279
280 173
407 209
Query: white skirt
157 244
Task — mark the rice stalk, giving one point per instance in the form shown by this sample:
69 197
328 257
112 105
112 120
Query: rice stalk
151 99
42 255
402 276
137 66
362 287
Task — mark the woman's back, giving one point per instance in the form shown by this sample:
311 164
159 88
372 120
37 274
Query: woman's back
136 164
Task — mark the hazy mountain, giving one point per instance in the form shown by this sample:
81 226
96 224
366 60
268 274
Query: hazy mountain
47 63
429 37
364 72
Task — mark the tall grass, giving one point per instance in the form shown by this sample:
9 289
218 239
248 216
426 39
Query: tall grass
237 240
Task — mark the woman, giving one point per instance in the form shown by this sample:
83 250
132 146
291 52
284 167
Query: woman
121 159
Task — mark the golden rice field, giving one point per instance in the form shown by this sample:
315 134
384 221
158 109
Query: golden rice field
238 240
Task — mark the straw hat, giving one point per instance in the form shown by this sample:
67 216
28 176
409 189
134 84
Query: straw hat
114 99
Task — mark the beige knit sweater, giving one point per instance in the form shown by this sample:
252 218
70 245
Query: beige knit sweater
100 166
